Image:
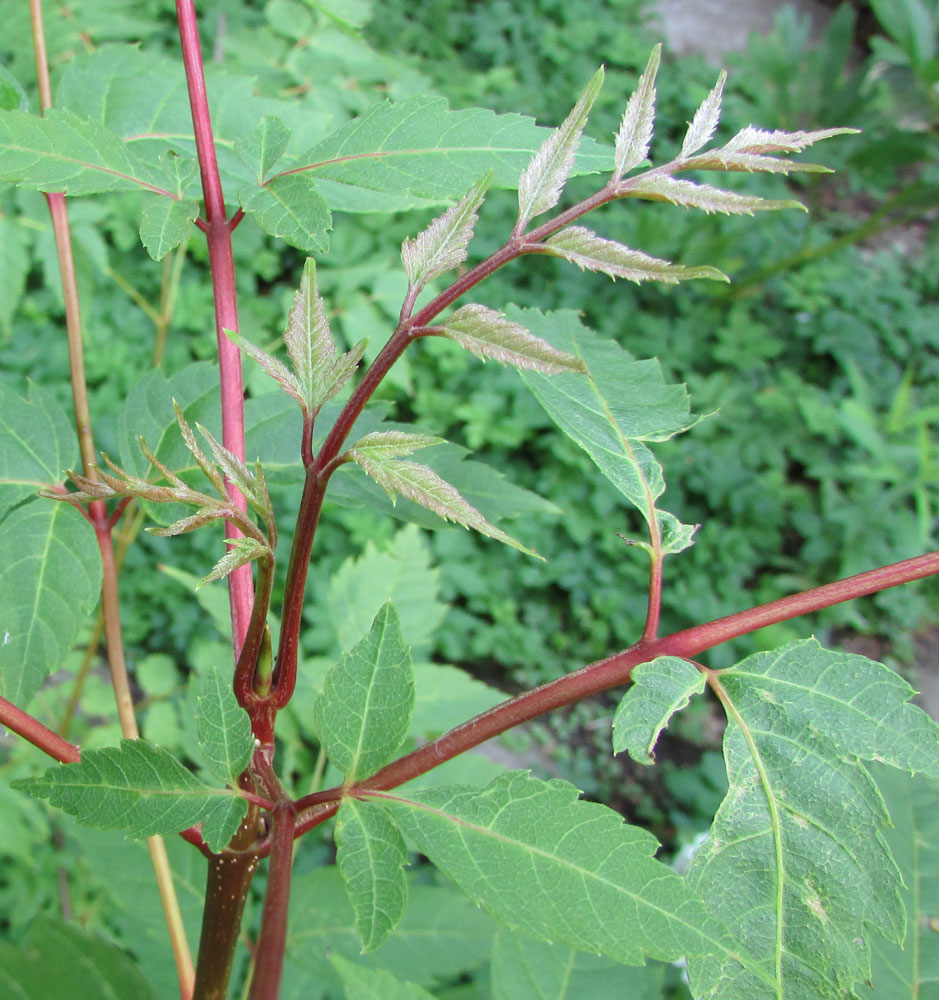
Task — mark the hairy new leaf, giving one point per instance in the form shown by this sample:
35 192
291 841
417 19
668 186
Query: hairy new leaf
658 690
635 131
661 187
555 867
224 729
138 788
796 864
705 119
371 856
363 714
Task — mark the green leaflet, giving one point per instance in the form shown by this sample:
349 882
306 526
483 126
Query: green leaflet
363 714
165 223
371 856
796 865
611 413
658 690
555 867
224 729
63 962
289 206
375 984
141 789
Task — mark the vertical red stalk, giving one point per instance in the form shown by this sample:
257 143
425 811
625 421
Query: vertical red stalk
218 236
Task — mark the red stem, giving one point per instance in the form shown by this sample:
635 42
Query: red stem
221 262
23 724
612 672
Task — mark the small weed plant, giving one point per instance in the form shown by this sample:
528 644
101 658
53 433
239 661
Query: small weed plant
803 887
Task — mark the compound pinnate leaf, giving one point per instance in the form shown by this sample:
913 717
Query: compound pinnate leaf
659 689
705 119
582 246
363 714
543 180
442 245
555 867
635 131
288 206
138 788
375 984
224 728
796 865
371 856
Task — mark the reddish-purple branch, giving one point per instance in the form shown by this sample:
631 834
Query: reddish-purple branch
23 724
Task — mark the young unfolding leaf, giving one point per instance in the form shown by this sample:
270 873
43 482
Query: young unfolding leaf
488 334
757 141
371 856
363 714
375 984
224 728
277 370
658 690
442 245
542 182
138 788
796 865
261 150
555 867
584 248
241 551
635 131
422 485
384 445
709 199
705 119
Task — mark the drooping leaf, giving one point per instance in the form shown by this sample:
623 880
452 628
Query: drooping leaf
363 714
442 245
241 551
375 984
422 485
658 690
488 334
543 180
166 223
62 961
138 788
63 152
289 206
224 729
261 150
705 119
371 856
635 131
555 867
588 251
523 969
688 194
796 865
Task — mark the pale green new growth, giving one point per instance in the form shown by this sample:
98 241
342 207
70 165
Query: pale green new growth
371 856
581 246
705 119
541 184
224 729
363 714
375 984
659 689
241 551
688 194
488 334
635 131
381 446
141 789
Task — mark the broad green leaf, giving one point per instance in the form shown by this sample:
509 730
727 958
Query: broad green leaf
555 867
442 245
261 150
224 729
371 856
423 486
14 266
661 187
705 119
796 865
523 969
64 152
543 180
138 788
440 936
611 413
584 248
658 690
12 95
349 13
488 334
635 131
445 697
62 962
363 715
166 223
375 984
288 206
911 972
